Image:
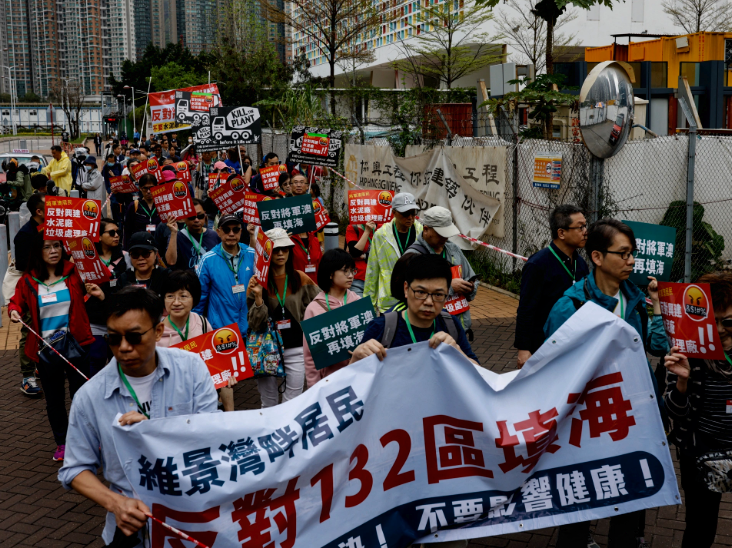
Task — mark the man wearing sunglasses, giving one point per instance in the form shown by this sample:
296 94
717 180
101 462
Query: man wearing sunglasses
143 382
611 248
389 243
224 273
187 247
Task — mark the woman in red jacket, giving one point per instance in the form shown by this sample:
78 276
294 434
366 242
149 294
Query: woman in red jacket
53 292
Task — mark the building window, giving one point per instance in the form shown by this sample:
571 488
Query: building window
659 74
728 61
691 71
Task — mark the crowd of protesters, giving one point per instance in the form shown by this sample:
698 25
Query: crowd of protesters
173 281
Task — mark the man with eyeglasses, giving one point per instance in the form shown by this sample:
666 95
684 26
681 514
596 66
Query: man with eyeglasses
143 382
224 273
611 246
185 249
547 275
142 215
388 244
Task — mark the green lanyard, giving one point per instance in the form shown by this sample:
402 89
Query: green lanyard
54 283
131 390
363 227
306 251
106 263
561 262
282 300
726 356
409 326
193 242
231 266
178 330
146 212
345 300
622 308
399 243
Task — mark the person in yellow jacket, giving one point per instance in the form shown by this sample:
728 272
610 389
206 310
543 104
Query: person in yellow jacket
59 170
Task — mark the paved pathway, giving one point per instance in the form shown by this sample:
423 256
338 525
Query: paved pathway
36 511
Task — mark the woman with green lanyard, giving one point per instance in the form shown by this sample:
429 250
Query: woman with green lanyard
336 275
53 292
358 244
284 300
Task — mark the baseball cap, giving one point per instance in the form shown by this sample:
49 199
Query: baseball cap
440 220
279 238
168 175
404 201
229 218
134 151
142 240
90 160
220 165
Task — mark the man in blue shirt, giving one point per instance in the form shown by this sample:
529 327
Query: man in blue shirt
547 275
187 247
224 273
143 382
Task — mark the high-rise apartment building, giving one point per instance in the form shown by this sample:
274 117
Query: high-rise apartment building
197 23
15 55
163 14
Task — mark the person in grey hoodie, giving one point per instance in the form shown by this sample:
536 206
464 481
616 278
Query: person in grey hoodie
94 183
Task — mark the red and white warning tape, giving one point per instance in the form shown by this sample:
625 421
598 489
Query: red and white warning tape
178 532
52 348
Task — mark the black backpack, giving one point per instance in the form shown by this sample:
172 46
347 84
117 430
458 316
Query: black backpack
392 318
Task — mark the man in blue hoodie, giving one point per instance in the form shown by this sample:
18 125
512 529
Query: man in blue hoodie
224 273
611 249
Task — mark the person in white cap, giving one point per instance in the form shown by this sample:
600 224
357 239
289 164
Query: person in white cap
389 243
437 228
284 300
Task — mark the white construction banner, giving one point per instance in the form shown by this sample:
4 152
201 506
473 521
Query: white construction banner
431 177
423 445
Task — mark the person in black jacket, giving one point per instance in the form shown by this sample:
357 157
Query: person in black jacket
144 271
547 275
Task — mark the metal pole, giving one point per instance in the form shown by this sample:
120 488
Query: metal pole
515 198
690 202
3 259
14 227
134 117
597 167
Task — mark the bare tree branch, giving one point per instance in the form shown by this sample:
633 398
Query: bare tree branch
700 15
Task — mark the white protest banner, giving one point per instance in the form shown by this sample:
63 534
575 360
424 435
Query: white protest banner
423 443
483 168
163 109
430 176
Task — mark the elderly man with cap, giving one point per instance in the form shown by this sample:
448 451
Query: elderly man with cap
389 243
437 228
224 273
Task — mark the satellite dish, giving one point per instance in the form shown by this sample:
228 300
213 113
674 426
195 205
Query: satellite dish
607 108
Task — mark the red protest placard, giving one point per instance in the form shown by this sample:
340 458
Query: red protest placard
213 177
225 354
122 184
315 143
151 166
321 214
688 317
369 205
183 172
263 255
457 304
250 213
271 176
87 261
68 218
229 197
173 200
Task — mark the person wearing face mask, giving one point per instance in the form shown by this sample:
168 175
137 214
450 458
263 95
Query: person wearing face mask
142 215
94 181
187 247
144 271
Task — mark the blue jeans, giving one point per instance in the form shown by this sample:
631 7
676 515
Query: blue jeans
357 287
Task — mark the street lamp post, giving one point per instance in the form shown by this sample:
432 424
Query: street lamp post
124 113
134 117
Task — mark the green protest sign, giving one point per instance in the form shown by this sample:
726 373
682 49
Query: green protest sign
293 214
655 252
331 335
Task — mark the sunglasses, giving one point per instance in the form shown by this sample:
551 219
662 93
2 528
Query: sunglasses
134 338
112 233
137 253
200 217
727 322
227 229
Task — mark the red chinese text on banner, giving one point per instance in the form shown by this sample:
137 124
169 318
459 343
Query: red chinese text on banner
173 200
271 176
321 214
317 144
122 184
263 256
688 317
151 166
183 172
68 218
369 205
250 213
229 197
457 304
225 354
87 261
213 177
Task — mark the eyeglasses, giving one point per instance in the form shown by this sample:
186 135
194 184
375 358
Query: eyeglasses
422 295
581 228
112 233
410 213
146 188
173 296
137 253
200 217
235 229
349 271
726 322
52 246
134 337
625 255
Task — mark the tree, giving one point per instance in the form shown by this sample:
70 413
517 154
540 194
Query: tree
30 97
175 76
447 44
332 27
527 33
70 93
700 15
